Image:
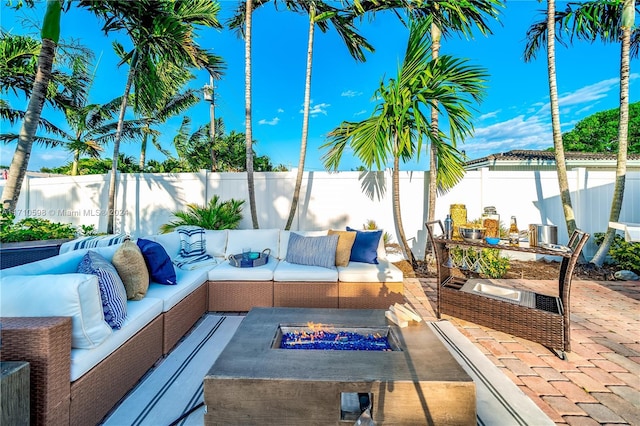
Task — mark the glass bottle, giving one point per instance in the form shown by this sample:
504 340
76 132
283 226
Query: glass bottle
491 222
514 233
448 227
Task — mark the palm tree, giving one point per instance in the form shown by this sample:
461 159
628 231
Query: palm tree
540 31
247 113
161 31
611 21
320 14
447 17
91 128
20 161
398 124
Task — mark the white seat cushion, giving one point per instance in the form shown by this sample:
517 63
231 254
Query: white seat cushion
64 295
384 271
294 272
139 314
225 272
170 295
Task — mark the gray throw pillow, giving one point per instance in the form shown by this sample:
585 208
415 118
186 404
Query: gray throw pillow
312 251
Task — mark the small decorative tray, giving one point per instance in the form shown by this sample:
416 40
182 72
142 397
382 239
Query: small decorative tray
255 259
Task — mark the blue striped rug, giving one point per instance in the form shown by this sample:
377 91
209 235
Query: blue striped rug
174 387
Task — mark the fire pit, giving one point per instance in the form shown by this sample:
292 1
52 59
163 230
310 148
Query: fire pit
320 337
413 380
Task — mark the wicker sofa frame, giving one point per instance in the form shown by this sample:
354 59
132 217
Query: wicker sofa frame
241 296
548 323
45 342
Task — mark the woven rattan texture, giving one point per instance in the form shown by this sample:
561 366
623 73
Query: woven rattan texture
300 294
96 392
239 296
369 295
180 318
46 344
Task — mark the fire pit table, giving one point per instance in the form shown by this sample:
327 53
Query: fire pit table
414 380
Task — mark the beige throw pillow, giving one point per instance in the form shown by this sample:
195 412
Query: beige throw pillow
132 269
345 243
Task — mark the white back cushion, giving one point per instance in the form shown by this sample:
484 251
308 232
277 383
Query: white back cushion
66 295
256 239
216 242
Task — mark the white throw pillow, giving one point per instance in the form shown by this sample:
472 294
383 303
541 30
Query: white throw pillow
66 295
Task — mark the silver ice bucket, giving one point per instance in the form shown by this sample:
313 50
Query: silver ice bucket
542 234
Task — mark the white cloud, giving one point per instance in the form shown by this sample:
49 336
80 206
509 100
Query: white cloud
314 110
489 115
362 111
280 110
350 93
271 122
516 133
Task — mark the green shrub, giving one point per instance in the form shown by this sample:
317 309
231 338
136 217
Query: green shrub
215 215
486 262
625 254
33 229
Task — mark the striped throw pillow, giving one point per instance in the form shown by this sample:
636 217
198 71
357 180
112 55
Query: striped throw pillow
192 241
112 291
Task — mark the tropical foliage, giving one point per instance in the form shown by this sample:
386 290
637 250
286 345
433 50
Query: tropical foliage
396 129
163 38
17 170
599 132
216 215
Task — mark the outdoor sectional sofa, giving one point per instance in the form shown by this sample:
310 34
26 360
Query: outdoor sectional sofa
80 368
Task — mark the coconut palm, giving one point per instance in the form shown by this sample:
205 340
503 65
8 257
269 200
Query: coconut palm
92 127
398 124
447 18
558 146
321 14
610 21
161 31
20 161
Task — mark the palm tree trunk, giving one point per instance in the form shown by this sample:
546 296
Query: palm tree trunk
247 113
397 216
436 36
116 150
305 121
76 160
143 151
561 165
20 160
623 133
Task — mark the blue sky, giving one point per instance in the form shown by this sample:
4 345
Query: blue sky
513 115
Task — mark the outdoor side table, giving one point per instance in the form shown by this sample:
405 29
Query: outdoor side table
14 393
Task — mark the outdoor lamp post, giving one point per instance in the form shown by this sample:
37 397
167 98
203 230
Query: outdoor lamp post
208 94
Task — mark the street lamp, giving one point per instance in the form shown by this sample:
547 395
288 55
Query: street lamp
208 94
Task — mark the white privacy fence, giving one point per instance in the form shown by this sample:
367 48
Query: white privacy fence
331 200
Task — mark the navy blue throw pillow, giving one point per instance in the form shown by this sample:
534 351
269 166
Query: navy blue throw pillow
158 262
365 247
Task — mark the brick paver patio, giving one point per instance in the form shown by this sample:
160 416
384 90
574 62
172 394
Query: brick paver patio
599 383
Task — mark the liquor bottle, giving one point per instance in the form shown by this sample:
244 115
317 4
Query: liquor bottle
448 227
514 233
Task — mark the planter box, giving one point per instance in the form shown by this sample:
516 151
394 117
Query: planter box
14 254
